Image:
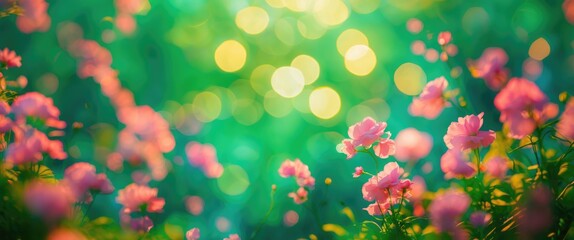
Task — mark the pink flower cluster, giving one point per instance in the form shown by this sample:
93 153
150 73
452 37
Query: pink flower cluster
35 16
465 134
430 103
9 59
139 198
490 67
125 21
83 181
366 133
446 210
523 107
386 189
204 156
302 175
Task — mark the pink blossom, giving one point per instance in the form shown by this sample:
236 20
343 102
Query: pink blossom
523 107
490 67
358 172
454 163
204 156
232 237
385 148
148 125
386 187
466 134
34 104
497 167
412 145
444 38
300 196
347 147
30 144
192 234
134 197
298 170
431 101
35 17
81 178
9 59
377 209
565 127
48 200
480 219
366 132
446 209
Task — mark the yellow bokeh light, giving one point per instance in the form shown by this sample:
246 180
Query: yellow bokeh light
349 38
230 56
410 79
360 60
285 31
364 6
234 180
310 28
288 81
324 102
330 12
206 106
247 111
275 3
539 50
276 105
297 5
252 20
308 66
261 78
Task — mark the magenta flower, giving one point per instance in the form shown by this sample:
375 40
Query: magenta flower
137 197
431 101
299 196
497 167
50 201
480 219
366 132
385 148
490 67
192 234
565 127
523 107
412 145
455 163
466 134
446 209
9 59
358 172
204 156
444 38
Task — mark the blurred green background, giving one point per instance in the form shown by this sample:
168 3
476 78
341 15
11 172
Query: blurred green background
199 64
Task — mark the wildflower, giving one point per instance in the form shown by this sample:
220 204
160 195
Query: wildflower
490 67
431 101
446 209
192 234
136 197
385 148
480 219
82 178
204 156
34 104
454 163
565 127
48 200
412 145
141 224
9 59
466 134
386 186
29 146
358 172
497 167
298 170
347 148
366 132
299 196
523 107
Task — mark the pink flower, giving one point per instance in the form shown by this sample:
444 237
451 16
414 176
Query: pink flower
480 219
565 127
50 201
82 178
30 145
385 148
454 163
34 104
523 107
444 38
490 67
358 172
366 132
431 102
377 209
298 170
9 59
204 156
387 186
300 196
497 167
232 237
5 121
412 145
35 17
466 134
192 234
136 197
141 224
447 208
347 148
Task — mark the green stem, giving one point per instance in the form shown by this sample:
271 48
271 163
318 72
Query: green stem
260 225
